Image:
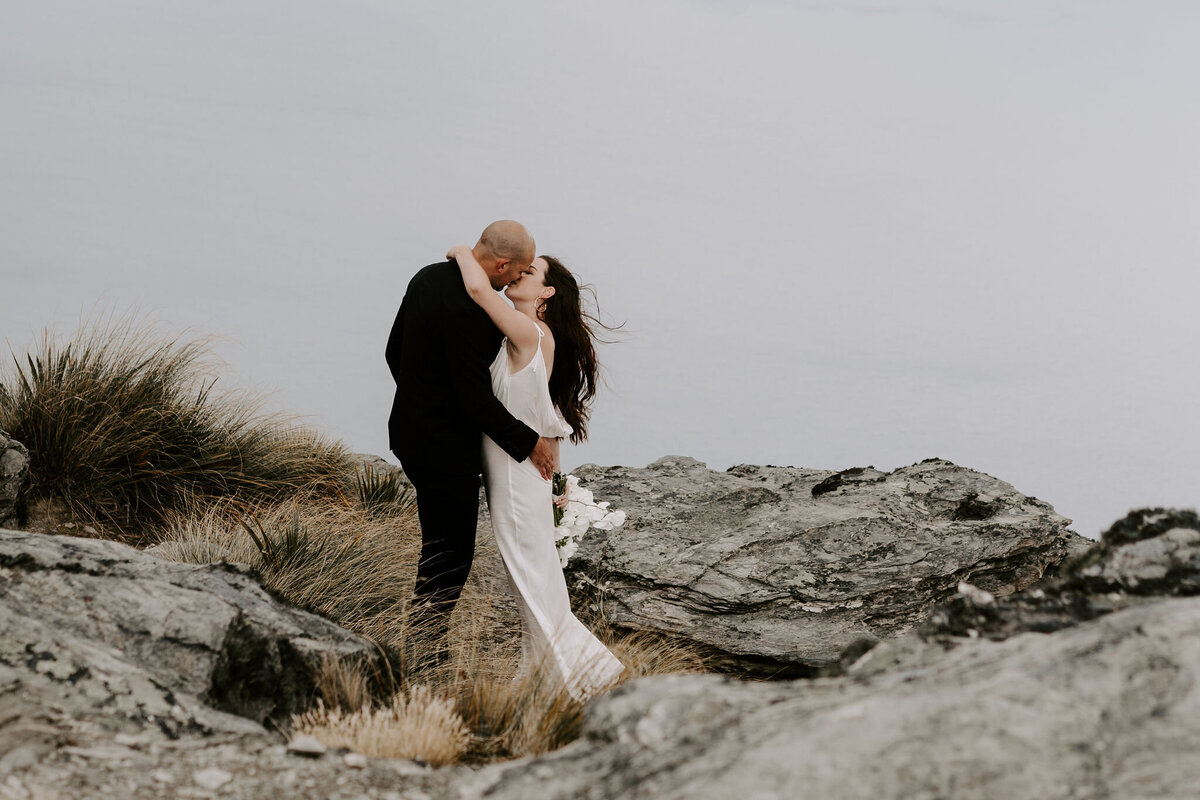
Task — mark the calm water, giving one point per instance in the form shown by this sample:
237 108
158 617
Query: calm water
838 235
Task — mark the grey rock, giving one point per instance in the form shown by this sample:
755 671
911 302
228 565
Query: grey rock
181 767
1149 554
69 606
305 745
108 659
118 672
778 570
211 778
1150 551
14 471
1108 708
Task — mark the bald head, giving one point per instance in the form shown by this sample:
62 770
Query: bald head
508 239
505 248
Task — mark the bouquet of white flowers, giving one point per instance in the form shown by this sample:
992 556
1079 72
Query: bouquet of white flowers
576 512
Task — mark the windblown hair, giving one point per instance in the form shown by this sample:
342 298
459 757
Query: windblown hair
576 370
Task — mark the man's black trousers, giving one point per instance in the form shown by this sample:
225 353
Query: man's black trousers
448 508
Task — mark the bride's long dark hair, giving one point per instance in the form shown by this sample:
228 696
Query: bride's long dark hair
576 370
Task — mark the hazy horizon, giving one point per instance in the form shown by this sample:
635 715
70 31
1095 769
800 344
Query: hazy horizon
838 234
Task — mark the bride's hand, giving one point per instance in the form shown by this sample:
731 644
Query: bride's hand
456 251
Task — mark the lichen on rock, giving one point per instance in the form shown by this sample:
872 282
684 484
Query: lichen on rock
777 570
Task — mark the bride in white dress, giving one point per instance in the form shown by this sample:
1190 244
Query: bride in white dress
545 374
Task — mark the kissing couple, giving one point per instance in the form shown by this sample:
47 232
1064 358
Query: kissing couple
483 385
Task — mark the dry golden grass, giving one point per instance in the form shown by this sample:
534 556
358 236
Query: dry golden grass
415 724
645 653
357 567
515 717
344 684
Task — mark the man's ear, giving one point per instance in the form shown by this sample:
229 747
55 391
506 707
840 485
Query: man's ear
500 265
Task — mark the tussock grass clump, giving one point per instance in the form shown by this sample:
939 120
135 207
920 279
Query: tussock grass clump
380 492
357 567
646 653
516 716
124 428
345 684
415 724
512 716
353 566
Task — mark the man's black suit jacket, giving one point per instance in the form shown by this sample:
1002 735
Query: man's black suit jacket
440 350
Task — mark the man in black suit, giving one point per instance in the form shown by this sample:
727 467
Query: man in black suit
439 351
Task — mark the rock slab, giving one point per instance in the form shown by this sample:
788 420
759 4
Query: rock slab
1086 686
778 570
14 471
1109 708
118 673
132 631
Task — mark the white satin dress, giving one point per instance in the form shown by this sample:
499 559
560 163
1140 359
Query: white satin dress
520 503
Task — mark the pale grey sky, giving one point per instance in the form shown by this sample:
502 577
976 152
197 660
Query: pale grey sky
841 234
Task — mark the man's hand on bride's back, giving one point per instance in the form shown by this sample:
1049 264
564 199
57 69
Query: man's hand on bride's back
543 457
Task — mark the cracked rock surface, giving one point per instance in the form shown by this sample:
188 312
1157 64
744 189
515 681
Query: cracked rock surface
1086 686
122 674
209 632
778 570
1108 708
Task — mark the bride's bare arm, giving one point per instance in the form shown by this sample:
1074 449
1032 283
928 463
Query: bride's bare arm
474 278
512 323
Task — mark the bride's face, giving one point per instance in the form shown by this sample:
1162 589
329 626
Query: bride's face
531 284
